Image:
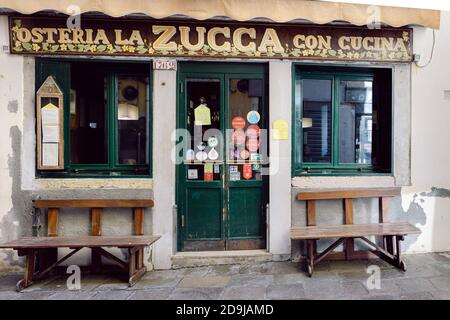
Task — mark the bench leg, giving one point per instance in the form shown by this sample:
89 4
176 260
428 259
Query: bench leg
96 261
389 244
398 257
29 271
136 266
310 257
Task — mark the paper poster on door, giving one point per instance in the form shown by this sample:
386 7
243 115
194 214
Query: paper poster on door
280 130
202 114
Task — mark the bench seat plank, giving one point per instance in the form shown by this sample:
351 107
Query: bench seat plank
93 203
80 242
348 194
353 231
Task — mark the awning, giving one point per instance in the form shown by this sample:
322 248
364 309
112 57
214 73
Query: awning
241 10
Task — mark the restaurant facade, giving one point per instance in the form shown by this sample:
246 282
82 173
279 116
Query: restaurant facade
221 116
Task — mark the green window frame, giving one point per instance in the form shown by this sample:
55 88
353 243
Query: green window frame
60 69
335 167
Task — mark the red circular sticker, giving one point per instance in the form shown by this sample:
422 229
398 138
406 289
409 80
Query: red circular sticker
252 145
238 123
238 137
253 131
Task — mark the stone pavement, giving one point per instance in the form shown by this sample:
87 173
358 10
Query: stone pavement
427 277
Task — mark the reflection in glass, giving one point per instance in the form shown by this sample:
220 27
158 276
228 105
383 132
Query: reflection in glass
355 122
132 111
317 115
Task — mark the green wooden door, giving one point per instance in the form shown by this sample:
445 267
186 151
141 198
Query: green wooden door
222 192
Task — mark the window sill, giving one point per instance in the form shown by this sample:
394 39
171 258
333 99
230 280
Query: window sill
344 181
92 183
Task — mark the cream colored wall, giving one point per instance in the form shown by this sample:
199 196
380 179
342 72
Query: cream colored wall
11 92
429 194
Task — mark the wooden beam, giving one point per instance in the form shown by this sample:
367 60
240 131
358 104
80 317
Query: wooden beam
96 221
348 209
138 221
348 219
348 194
94 203
311 212
384 209
52 223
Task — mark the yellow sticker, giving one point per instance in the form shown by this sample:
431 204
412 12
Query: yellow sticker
202 115
280 130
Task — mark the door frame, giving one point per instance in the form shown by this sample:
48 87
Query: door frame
225 71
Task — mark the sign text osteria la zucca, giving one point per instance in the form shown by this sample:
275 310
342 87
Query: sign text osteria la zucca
50 36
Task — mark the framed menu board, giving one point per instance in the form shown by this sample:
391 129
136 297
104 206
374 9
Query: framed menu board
49 114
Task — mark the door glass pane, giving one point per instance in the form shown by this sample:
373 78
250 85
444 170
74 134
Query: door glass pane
132 120
247 142
317 120
355 122
87 116
205 148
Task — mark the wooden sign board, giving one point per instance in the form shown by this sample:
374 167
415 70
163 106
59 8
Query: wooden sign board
49 115
152 38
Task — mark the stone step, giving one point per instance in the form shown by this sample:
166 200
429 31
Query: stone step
209 258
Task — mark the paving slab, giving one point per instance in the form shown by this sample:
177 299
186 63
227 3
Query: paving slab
224 270
441 283
112 295
259 268
200 271
251 292
417 296
414 285
9 295
154 282
72 295
277 268
251 280
151 294
286 292
195 294
35 295
441 295
8 281
290 278
204 282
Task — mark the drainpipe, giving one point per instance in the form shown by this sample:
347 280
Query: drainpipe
36 213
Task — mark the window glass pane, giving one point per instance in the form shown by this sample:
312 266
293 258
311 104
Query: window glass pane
316 121
205 148
247 144
132 119
87 116
355 122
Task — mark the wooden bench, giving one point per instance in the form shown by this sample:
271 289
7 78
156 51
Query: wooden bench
391 233
41 252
